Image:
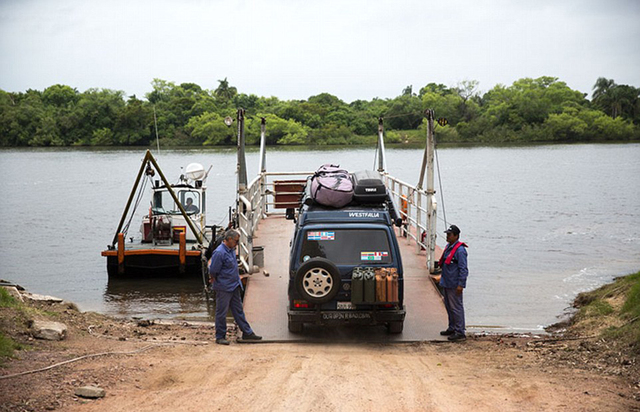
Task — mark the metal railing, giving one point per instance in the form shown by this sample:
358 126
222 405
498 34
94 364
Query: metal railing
254 205
418 210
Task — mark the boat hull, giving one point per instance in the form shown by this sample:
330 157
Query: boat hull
153 263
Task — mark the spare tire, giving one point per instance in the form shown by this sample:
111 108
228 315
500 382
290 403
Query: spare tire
318 280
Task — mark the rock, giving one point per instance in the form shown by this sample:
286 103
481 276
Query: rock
42 298
48 330
90 392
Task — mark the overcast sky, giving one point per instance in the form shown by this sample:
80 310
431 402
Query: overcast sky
296 49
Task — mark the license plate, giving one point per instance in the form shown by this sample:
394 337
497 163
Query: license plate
345 315
346 306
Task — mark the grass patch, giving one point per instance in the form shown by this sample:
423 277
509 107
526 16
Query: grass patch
7 347
612 311
6 300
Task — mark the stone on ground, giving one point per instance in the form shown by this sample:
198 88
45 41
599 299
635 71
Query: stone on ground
47 330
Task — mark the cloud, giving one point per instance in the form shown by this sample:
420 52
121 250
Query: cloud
293 49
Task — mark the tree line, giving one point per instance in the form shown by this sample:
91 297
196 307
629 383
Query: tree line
530 110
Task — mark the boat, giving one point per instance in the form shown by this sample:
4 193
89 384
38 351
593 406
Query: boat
173 234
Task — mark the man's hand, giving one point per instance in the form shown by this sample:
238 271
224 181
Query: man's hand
459 290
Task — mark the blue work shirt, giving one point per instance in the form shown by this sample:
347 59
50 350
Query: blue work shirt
224 269
455 273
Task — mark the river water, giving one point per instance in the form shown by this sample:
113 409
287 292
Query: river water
543 223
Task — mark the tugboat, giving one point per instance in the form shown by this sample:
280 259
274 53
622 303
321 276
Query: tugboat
172 234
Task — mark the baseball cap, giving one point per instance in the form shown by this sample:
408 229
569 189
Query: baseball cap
453 229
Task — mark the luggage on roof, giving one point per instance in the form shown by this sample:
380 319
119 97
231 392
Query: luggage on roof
331 186
368 187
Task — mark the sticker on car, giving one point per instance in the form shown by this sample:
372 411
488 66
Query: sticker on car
373 255
321 235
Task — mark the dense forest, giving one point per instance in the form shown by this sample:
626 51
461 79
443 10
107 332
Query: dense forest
530 110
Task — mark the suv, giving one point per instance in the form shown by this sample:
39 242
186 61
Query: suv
345 266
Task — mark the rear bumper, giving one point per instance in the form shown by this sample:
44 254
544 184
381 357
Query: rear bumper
360 317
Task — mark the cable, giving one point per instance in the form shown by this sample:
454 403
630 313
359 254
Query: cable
444 213
137 203
80 358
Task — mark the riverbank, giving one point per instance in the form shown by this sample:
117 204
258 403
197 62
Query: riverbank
590 363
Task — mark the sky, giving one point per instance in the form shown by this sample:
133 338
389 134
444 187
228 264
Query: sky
296 49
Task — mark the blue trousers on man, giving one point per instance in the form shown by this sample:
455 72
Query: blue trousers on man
455 310
233 301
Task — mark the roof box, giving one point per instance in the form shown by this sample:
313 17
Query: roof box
368 187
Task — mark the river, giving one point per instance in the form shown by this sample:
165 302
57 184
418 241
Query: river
543 223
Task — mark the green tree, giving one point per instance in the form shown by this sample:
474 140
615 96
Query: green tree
224 91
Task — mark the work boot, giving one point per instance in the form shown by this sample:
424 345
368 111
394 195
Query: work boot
456 337
252 336
447 332
222 341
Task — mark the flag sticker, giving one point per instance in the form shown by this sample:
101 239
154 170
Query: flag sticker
373 255
321 235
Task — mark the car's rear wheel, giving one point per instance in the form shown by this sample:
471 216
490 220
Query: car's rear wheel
318 280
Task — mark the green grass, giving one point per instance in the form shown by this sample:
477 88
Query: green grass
7 347
622 323
6 300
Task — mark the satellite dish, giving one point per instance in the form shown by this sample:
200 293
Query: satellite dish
194 171
228 121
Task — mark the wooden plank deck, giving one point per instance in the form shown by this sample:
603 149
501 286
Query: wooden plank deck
265 300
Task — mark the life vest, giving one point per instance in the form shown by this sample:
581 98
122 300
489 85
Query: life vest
449 258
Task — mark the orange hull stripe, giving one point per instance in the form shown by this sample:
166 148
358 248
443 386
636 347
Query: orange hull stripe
150 252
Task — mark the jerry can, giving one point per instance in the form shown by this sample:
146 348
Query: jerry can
357 286
381 285
393 294
369 286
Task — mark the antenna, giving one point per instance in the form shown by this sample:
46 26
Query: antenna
155 123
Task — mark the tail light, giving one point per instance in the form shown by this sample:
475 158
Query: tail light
302 304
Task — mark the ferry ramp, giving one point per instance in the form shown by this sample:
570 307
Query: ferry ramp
265 301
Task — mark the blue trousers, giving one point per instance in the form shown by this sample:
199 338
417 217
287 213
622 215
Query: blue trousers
455 310
224 301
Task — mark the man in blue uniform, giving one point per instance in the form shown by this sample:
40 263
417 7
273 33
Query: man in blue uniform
453 280
225 279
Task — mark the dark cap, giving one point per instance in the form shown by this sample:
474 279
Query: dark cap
453 229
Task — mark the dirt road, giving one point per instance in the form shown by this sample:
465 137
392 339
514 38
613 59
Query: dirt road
286 377
484 374
177 367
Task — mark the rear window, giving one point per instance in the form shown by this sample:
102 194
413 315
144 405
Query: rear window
347 246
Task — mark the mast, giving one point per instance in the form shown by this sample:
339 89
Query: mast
431 198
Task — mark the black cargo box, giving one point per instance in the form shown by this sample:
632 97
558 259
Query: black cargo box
368 187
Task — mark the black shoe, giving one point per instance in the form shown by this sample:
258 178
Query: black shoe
222 341
446 332
456 337
253 336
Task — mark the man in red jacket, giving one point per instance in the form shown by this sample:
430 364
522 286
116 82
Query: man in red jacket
453 281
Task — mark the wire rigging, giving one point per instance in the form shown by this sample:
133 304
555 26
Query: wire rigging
444 213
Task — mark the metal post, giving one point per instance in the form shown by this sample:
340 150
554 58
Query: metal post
263 166
242 164
431 201
382 163
263 154
418 219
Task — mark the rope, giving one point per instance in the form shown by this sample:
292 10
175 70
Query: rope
402 114
80 358
444 213
137 203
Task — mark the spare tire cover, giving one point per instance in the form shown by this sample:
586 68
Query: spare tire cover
318 280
